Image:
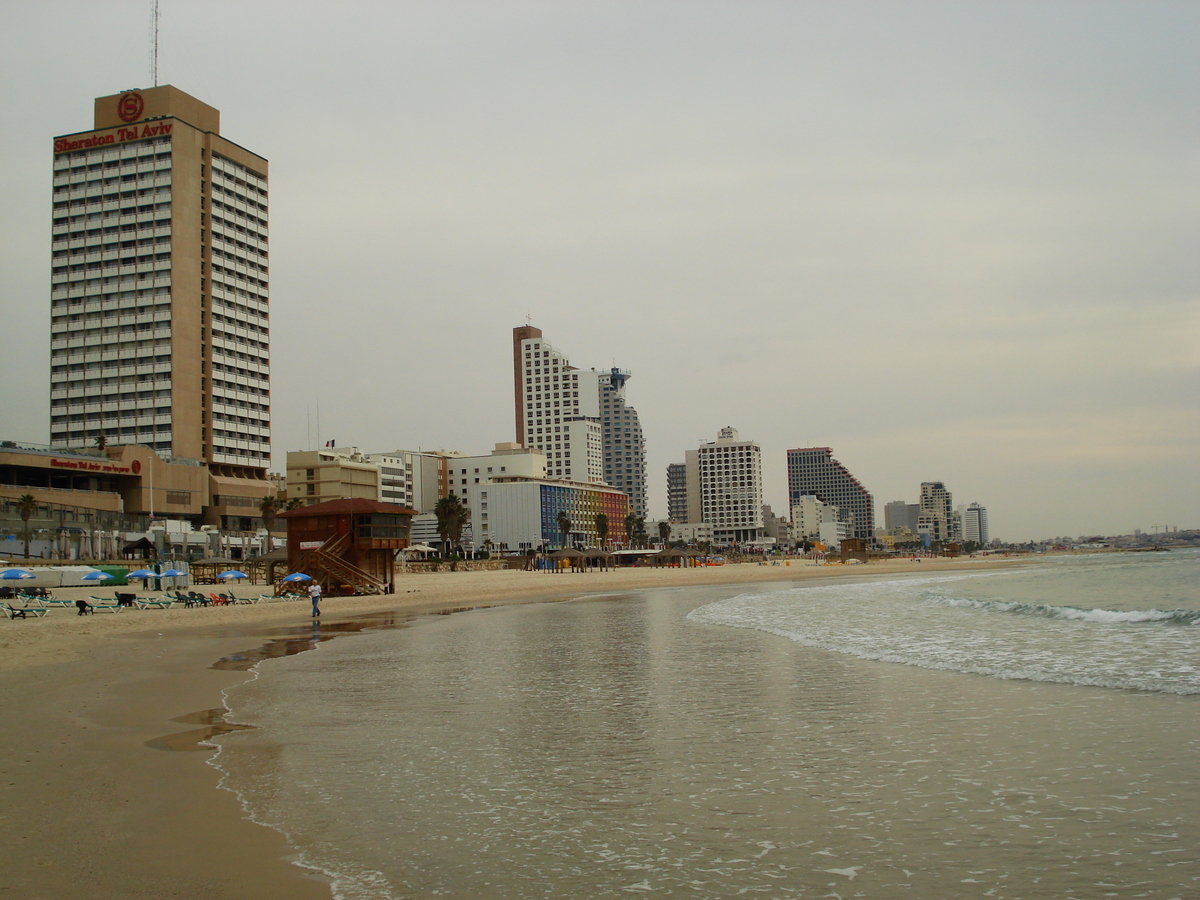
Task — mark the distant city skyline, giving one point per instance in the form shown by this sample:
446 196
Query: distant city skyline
952 242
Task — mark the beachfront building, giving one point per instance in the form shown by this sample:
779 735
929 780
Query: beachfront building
729 473
159 293
975 525
938 518
813 470
514 512
578 418
809 513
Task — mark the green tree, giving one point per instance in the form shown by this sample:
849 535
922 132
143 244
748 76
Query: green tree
26 507
452 516
664 532
101 442
602 529
564 525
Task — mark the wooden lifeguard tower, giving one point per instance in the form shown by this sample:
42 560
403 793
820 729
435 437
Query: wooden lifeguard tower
348 545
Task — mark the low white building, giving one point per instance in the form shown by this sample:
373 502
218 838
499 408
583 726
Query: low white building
809 513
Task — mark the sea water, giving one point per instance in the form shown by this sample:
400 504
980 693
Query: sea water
1015 734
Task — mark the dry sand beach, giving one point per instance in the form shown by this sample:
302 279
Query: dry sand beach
95 804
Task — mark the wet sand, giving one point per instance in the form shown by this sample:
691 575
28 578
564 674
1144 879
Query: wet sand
103 794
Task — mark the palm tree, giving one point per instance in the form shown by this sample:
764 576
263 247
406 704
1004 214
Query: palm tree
664 532
602 529
452 514
26 507
101 442
564 525
294 503
268 508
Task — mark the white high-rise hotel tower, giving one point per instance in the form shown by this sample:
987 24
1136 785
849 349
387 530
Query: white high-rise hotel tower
578 418
159 316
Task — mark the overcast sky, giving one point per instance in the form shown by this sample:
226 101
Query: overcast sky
952 241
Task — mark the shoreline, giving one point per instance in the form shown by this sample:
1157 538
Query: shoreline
95 802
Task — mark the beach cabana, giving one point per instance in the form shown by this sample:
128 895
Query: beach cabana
204 571
575 560
673 556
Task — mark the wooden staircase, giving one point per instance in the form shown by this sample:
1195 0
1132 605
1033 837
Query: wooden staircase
326 565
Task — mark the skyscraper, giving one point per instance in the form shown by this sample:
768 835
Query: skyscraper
937 512
624 446
578 418
975 525
730 477
159 301
813 470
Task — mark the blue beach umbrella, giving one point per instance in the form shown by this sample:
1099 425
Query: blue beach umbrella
16 574
233 573
141 575
97 575
173 573
298 576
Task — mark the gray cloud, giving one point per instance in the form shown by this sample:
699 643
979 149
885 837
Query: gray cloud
952 241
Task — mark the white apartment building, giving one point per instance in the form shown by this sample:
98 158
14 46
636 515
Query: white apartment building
413 478
730 479
558 409
809 513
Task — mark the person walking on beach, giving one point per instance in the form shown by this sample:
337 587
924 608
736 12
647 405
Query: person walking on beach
314 592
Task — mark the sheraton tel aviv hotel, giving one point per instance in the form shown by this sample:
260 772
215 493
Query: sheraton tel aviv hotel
160 371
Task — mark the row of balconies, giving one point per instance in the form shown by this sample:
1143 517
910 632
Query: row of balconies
63 324
64 176
125 205
233 238
79 392
113 190
253 229
230 348
229 250
240 305
221 194
69 278
80 290
229 174
110 417
150 225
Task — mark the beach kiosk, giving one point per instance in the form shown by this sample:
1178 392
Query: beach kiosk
349 546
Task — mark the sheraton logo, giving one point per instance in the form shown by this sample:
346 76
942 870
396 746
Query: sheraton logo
120 136
130 106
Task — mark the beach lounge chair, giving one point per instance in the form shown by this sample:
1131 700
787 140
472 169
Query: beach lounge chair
99 604
22 612
154 602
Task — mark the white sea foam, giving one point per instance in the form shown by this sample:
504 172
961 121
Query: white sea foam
935 623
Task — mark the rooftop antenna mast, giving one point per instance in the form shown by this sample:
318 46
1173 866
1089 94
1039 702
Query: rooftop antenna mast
154 43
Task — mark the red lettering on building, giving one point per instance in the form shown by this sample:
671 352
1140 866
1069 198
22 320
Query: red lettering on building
120 136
